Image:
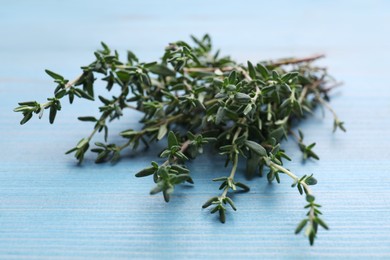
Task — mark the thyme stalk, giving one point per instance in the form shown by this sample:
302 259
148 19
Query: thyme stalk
193 97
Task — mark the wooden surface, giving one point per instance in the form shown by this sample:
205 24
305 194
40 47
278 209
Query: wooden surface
50 208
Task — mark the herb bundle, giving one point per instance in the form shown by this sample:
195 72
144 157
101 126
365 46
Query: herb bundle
193 97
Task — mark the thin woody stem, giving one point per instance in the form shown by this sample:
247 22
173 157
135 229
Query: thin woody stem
235 161
183 148
296 61
291 175
313 86
303 95
185 145
231 176
72 82
325 104
271 63
208 69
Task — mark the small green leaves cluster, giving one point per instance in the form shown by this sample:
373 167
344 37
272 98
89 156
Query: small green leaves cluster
338 124
307 150
229 183
166 177
218 206
218 202
171 172
312 221
173 150
194 97
303 182
64 88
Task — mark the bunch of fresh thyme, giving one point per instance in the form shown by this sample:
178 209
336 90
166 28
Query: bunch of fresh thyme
194 97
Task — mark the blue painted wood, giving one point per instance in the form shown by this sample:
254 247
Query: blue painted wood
52 208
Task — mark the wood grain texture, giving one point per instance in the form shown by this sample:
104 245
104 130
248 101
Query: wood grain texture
50 208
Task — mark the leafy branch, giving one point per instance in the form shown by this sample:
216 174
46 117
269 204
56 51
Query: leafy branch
194 97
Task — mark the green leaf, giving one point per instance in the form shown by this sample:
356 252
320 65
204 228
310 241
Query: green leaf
166 195
312 236
256 148
87 119
262 70
222 216
223 185
165 153
301 225
101 156
181 178
341 126
131 57
231 114
71 150
105 133
23 108
338 124
116 156
180 169
251 70
146 172
190 180
215 209
26 117
83 94
209 202
232 77
248 109
129 133
310 198
71 96
310 180
278 133
242 186
172 140
53 112
28 103
231 203
321 223
181 155
156 189
60 94
82 143
220 115
301 136
104 100
275 75
54 75
124 76
162 131
304 80
162 70
106 48
299 186
288 76
242 97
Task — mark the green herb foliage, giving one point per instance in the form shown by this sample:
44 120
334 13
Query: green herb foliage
194 97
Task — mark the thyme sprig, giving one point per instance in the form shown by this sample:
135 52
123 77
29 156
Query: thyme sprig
194 97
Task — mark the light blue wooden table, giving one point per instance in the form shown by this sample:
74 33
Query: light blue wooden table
50 208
